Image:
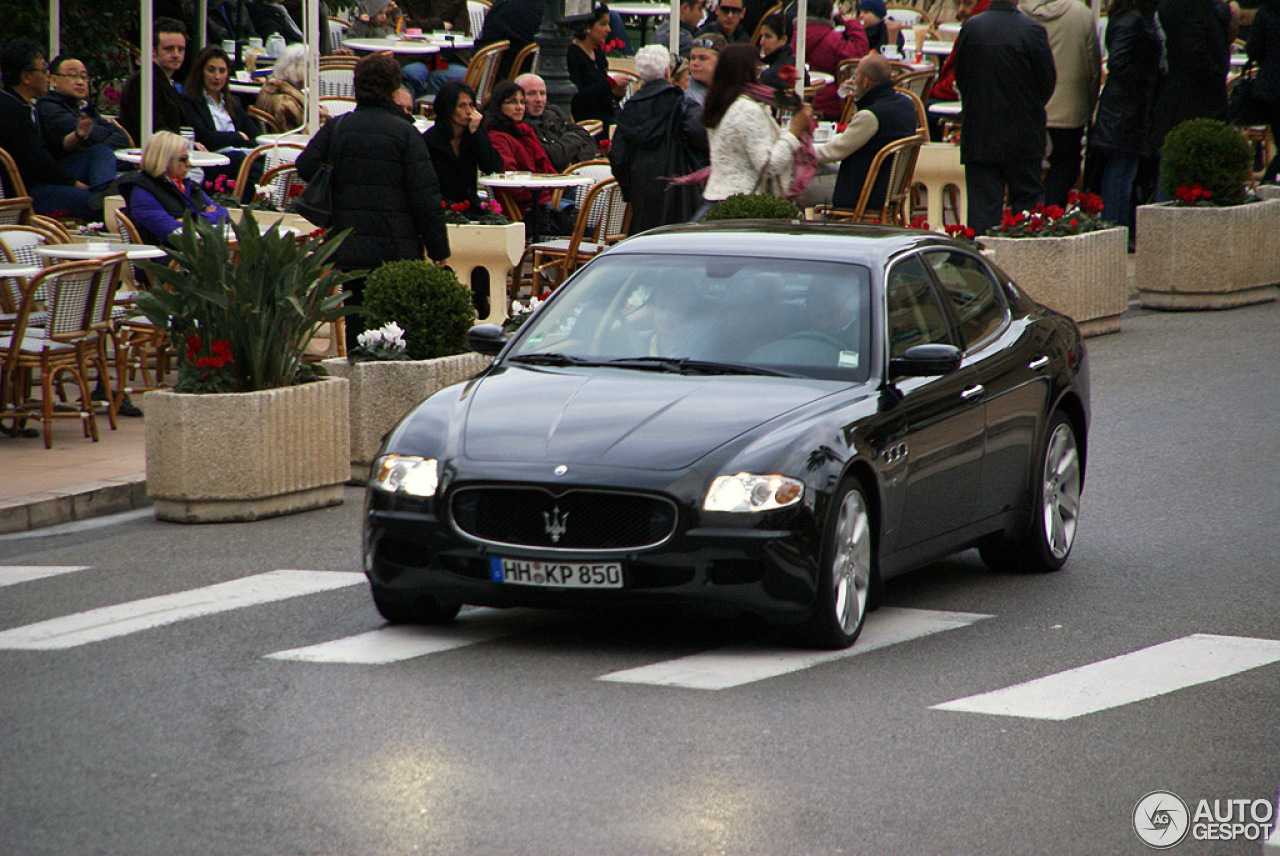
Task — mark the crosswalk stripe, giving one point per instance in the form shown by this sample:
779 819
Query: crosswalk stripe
743 664
122 619
14 574
1128 678
393 644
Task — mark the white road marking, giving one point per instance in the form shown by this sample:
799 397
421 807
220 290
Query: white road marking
741 664
1143 674
121 619
393 644
13 574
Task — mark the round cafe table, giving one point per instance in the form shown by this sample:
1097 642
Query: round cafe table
401 45
198 158
80 252
19 270
505 181
946 108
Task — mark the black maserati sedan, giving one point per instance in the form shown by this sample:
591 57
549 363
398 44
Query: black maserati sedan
754 416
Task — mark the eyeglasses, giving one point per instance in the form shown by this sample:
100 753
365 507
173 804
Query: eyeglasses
704 43
81 76
731 10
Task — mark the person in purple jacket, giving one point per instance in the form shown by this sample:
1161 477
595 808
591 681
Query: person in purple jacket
159 195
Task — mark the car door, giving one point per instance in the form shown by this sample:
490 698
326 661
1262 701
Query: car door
1012 368
941 417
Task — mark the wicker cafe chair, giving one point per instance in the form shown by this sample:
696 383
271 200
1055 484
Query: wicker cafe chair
337 77
18 245
477 11
280 185
15 203
271 155
139 344
65 346
772 10
528 56
337 31
899 157
918 83
603 219
265 120
482 71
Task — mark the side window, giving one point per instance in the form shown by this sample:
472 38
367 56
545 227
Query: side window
973 293
915 318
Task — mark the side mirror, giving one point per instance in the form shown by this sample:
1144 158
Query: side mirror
486 339
925 361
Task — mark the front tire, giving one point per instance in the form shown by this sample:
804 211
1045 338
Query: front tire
847 576
399 608
1055 508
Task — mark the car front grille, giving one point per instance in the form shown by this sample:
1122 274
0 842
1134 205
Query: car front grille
573 520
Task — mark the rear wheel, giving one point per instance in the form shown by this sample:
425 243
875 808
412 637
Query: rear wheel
400 608
847 576
1055 508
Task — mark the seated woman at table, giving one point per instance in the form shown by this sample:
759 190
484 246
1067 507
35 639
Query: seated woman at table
460 148
516 143
216 115
598 93
159 195
775 54
281 94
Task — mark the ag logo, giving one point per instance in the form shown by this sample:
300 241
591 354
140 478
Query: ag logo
1161 819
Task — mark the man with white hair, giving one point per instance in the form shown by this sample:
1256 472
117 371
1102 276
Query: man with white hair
565 142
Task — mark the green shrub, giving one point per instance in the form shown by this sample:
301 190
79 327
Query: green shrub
1209 153
427 300
753 206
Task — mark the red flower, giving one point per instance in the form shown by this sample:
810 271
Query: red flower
222 348
295 190
919 222
1054 211
787 74
193 347
1074 222
840 128
605 144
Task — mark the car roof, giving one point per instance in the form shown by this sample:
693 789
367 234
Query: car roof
838 242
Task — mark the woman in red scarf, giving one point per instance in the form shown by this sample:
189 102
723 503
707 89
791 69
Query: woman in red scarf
514 140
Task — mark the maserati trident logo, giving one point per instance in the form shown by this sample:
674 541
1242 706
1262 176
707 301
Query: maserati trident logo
555 519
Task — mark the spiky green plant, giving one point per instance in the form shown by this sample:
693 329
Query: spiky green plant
241 322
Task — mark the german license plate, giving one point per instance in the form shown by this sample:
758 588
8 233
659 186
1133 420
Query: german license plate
578 575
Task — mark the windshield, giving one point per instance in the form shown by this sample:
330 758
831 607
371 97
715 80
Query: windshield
693 312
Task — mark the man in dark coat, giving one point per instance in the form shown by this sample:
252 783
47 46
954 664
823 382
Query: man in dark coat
169 112
650 146
884 116
1197 45
727 21
1005 75
76 136
517 21
26 76
564 141
383 185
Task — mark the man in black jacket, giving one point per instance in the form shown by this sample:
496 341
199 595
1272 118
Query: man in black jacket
1005 75
168 112
26 77
78 138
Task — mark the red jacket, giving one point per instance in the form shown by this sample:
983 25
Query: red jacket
945 88
521 152
824 50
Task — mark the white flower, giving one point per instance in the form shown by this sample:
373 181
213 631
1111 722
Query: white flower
369 338
517 308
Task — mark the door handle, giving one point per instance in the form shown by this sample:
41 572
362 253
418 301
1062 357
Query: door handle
972 391
1038 363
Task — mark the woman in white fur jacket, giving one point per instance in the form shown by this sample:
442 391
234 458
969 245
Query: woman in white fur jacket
749 152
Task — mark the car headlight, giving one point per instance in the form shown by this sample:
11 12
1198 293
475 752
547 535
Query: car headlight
412 475
747 492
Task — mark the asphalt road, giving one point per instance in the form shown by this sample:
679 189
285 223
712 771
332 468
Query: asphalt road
190 738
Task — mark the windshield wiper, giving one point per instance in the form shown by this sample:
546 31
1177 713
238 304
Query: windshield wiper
553 359
685 365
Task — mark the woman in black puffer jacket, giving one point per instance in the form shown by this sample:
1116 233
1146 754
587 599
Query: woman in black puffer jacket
1264 49
383 185
1122 127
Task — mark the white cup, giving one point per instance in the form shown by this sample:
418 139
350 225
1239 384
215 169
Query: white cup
255 42
229 47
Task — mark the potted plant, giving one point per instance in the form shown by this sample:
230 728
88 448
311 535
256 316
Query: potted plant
1069 259
484 239
1213 246
753 206
418 346
250 430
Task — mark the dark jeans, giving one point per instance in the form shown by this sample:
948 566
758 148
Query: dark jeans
64 200
1064 164
1116 188
986 184
95 166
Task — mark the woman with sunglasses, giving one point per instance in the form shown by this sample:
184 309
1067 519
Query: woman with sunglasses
157 197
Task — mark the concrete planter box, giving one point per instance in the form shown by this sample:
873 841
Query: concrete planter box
1207 258
382 392
246 455
497 249
1269 191
1082 276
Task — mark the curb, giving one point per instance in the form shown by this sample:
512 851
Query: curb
38 510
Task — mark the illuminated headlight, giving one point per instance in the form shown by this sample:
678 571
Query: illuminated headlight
746 492
412 475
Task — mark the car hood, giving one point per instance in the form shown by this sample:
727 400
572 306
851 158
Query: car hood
621 417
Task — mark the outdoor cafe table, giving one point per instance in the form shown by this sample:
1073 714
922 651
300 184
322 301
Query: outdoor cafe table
504 181
21 271
80 252
946 108
198 158
414 47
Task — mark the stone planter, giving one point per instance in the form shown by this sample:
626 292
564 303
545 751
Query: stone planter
1207 258
266 218
246 455
497 249
1269 191
1085 277
383 392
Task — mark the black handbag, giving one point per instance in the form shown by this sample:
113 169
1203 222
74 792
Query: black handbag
1242 109
315 203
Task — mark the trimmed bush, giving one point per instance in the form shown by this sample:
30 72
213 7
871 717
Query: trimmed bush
753 206
426 300
1209 153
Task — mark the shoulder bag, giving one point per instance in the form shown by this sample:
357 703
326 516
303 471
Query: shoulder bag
315 203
